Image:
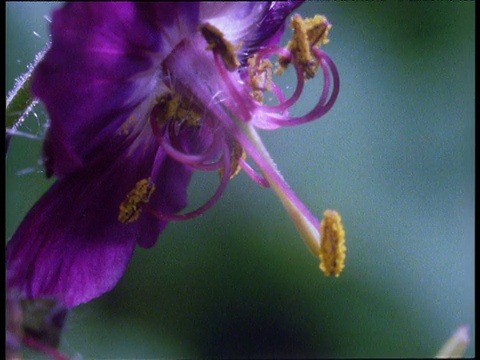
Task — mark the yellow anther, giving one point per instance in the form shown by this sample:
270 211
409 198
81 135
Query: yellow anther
217 42
332 246
131 208
307 33
237 153
173 108
127 126
318 29
260 76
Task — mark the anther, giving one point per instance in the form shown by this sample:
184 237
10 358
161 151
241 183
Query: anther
131 208
332 245
237 152
307 33
172 107
260 76
218 44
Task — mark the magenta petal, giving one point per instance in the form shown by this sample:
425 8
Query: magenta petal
249 24
88 80
56 253
270 29
71 245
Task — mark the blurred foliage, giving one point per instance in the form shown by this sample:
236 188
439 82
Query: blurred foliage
395 156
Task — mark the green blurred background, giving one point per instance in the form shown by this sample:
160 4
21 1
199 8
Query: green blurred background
395 156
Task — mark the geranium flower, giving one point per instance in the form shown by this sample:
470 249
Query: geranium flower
141 95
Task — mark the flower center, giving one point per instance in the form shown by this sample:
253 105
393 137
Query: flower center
170 107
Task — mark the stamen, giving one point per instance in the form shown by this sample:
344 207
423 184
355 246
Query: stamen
218 193
307 34
275 116
173 107
260 75
172 120
332 247
131 208
327 98
283 105
206 160
217 42
127 126
237 153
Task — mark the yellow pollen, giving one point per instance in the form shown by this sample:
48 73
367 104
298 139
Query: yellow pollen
260 77
237 153
332 246
307 33
131 208
217 42
128 125
173 108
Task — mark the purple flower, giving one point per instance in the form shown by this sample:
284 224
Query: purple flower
141 95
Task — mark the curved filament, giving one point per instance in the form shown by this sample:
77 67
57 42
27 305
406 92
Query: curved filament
218 193
283 104
325 102
207 160
255 176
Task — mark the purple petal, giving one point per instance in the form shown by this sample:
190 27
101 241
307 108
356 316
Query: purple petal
71 245
84 79
250 24
99 69
104 59
270 28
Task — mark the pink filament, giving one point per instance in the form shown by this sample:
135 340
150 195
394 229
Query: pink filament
255 176
284 104
206 161
218 193
324 104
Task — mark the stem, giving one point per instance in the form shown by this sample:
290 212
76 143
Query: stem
19 100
